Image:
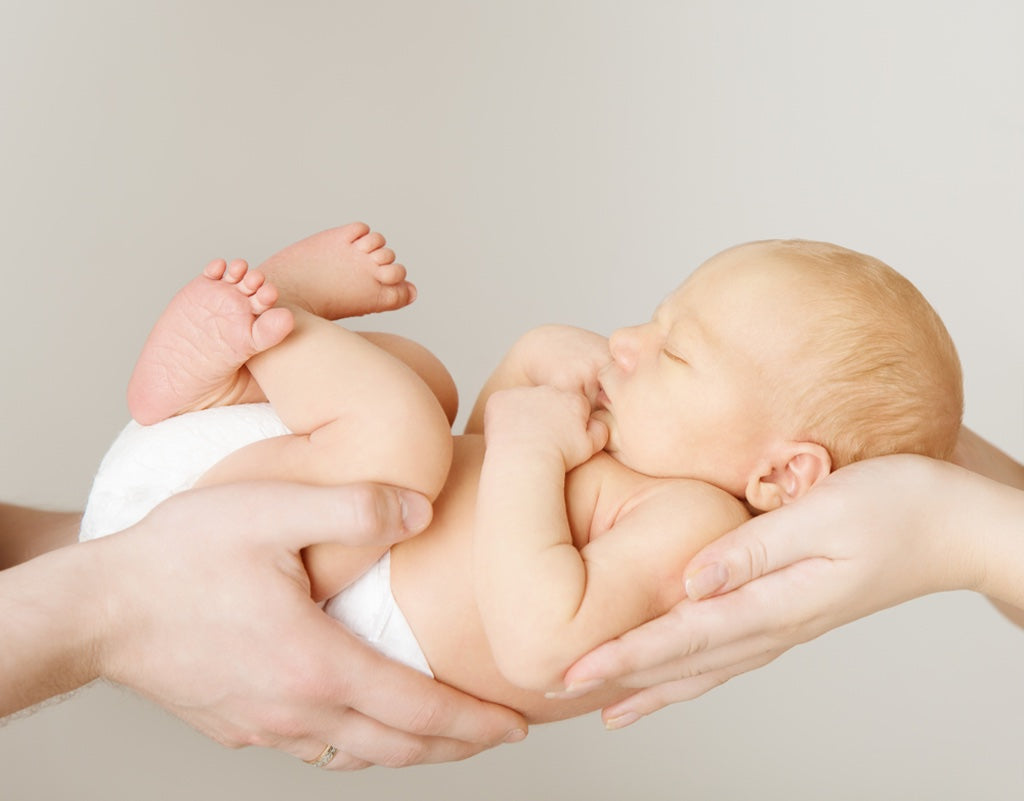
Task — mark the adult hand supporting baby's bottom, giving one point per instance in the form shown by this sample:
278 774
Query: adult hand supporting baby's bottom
870 536
209 615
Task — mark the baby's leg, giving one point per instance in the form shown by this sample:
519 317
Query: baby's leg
346 272
195 354
194 357
359 414
425 364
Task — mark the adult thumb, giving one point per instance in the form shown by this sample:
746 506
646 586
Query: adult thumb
351 514
757 547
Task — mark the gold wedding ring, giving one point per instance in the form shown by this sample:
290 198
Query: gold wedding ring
325 757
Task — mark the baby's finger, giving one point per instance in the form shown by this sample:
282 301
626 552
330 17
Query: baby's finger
598 433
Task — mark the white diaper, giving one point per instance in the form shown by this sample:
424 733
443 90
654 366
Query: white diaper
148 464
368 608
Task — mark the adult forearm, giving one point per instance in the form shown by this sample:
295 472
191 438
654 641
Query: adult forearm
985 459
982 457
26 533
48 621
1000 532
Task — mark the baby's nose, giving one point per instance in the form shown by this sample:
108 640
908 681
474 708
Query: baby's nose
624 345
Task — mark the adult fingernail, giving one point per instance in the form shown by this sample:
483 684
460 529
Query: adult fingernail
706 581
575 690
416 511
515 736
620 722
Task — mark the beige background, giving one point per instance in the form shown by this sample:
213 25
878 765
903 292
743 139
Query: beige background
531 162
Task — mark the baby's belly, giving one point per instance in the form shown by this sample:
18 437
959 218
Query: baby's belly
431 574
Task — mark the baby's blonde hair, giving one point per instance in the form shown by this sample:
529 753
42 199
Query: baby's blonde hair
887 378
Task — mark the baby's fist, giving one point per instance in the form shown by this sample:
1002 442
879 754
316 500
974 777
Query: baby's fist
545 418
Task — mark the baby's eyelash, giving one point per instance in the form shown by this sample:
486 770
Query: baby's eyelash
673 356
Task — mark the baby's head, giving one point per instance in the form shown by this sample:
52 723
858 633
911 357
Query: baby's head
777 362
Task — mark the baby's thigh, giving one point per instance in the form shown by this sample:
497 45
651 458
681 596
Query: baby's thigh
425 364
332 567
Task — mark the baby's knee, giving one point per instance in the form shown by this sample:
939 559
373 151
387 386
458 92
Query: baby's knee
421 443
426 365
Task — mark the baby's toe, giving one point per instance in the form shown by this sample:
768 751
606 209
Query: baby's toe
390 273
237 268
271 328
251 282
372 241
383 255
352 231
396 296
264 298
215 269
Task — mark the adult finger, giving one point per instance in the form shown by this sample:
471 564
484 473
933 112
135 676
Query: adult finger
745 621
754 549
684 630
368 741
310 751
651 699
298 515
406 700
704 662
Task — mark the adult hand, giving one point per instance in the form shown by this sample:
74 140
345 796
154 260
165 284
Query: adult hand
868 537
209 615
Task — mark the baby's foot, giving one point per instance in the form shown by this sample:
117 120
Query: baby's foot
341 272
195 355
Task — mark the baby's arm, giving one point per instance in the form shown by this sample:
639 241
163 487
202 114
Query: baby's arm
544 600
554 355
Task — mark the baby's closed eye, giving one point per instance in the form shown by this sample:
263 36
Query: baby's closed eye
673 356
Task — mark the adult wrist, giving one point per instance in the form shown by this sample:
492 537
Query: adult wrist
974 531
110 623
998 530
51 608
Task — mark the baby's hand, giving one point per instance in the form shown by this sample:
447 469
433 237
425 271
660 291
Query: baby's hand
545 419
564 357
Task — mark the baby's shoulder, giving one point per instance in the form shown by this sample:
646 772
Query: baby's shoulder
688 499
615 492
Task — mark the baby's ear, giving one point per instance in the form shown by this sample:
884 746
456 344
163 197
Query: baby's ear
787 474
